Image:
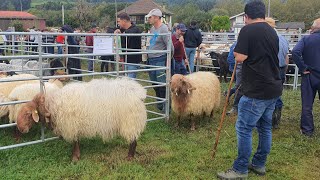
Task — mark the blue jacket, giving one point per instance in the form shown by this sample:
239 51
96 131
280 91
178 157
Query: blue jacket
230 59
306 54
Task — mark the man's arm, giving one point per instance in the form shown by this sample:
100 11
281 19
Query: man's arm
240 57
297 57
287 59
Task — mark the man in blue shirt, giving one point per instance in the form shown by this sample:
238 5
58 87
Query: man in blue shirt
283 62
237 87
306 54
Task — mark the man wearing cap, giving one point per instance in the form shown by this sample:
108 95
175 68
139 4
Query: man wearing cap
158 42
179 52
306 54
283 63
89 50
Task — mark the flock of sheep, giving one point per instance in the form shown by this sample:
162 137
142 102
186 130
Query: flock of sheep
101 107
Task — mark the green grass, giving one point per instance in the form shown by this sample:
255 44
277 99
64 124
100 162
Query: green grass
164 152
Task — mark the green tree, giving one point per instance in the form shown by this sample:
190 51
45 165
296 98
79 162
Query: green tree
219 12
220 23
232 6
18 26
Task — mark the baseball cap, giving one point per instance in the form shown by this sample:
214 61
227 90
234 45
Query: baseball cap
271 22
154 12
182 27
93 25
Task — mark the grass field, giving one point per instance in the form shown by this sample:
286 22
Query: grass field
164 152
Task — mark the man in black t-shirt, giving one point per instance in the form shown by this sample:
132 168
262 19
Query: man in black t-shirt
130 42
257 48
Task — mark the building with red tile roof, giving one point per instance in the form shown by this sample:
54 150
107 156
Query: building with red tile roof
7 18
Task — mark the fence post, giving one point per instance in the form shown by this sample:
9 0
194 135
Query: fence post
168 76
41 76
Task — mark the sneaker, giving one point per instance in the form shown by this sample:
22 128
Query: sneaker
307 134
225 93
232 174
233 111
261 171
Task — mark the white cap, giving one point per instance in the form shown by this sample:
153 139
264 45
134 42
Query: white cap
154 12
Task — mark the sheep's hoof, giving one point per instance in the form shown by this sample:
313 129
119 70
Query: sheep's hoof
130 158
193 128
176 125
75 158
17 139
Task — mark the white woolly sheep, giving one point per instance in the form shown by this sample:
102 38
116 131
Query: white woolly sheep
7 87
28 92
195 94
101 107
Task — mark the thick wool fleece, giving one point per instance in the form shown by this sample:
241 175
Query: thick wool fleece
98 108
27 92
204 99
7 87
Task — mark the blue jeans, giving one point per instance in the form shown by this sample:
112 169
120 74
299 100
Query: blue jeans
159 75
132 67
191 52
60 50
180 68
90 63
253 113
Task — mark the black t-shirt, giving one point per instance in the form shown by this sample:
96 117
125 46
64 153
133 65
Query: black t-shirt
132 42
260 71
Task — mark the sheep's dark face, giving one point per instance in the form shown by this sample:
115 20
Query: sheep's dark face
27 115
180 86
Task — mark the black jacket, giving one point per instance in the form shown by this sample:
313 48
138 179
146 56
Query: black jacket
193 37
71 40
132 42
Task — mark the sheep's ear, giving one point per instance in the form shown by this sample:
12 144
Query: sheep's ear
35 116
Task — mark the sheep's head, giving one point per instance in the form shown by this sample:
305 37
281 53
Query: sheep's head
60 73
31 113
180 86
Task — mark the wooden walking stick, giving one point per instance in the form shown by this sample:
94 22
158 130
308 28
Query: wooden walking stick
184 49
223 113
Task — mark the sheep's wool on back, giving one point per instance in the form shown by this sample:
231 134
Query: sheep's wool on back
205 98
100 107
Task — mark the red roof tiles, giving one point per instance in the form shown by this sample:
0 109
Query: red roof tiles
16 15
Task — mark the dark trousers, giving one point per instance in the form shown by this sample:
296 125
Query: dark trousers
279 102
179 67
74 63
310 84
105 65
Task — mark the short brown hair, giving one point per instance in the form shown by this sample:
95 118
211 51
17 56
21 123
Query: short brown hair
124 16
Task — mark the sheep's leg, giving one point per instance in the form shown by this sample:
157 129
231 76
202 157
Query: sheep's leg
225 77
178 122
211 114
76 151
17 134
193 124
132 149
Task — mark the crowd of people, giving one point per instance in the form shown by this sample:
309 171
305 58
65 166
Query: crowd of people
260 55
